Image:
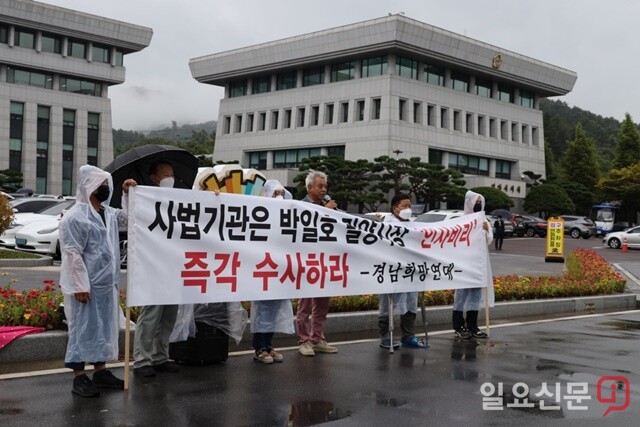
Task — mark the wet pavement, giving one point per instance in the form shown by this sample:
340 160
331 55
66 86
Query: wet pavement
365 385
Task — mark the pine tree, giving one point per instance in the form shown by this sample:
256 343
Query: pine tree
579 163
628 147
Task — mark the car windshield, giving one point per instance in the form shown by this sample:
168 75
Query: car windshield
57 208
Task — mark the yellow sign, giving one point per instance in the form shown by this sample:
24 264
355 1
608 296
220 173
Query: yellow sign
555 240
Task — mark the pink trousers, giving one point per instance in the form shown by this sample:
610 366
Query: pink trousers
311 329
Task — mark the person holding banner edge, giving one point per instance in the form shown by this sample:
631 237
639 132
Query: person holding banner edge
155 322
470 299
90 279
270 316
312 312
405 302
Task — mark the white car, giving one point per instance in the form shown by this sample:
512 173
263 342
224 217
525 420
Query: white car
21 219
614 240
40 237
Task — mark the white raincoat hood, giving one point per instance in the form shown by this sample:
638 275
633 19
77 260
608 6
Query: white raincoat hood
89 179
470 200
271 185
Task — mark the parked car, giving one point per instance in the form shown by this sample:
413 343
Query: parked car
579 226
32 204
614 239
436 215
508 225
20 219
530 226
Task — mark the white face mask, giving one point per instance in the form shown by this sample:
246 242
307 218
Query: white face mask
405 214
167 182
278 197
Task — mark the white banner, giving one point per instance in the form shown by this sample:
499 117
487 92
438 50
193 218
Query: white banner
195 247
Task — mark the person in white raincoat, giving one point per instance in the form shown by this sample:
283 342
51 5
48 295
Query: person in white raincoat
270 316
470 300
90 279
405 303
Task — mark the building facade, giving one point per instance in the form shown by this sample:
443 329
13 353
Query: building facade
391 86
56 66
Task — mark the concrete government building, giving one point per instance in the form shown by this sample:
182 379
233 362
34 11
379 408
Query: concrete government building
389 86
56 66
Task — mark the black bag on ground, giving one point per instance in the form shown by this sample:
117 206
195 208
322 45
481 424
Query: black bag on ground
210 345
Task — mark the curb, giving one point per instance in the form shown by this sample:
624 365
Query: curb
52 345
40 262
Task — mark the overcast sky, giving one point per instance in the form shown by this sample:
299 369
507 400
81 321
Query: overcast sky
594 38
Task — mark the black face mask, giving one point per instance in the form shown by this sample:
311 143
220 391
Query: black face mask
103 193
477 207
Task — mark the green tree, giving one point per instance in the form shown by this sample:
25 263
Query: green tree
551 167
494 198
579 163
623 185
432 184
10 180
582 197
548 199
628 147
394 173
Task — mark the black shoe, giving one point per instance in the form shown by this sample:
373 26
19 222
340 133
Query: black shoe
144 371
105 379
83 386
166 367
479 334
463 333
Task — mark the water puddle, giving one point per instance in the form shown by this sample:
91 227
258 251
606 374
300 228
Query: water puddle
312 412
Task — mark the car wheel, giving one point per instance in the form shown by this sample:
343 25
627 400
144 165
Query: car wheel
58 255
531 232
575 233
614 243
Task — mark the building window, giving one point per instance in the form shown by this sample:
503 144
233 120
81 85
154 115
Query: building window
68 142
344 112
534 136
24 38
469 164
237 88
483 88
42 148
258 160
526 98
359 110
459 81
433 75
374 66
286 123
457 120
293 158
431 115
286 80
402 109
84 87
482 123
505 93
29 78
417 112
376 106
469 123
514 132
16 132
328 114
503 169
504 131
226 128
300 117
262 120
4 34
407 68
249 126
344 71
238 124
315 115
119 58
93 136
525 134
336 150
493 127
101 54
51 43
76 49
275 115
444 118
435 156
313 76
261 84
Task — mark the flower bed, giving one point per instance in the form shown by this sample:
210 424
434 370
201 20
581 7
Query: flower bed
588 274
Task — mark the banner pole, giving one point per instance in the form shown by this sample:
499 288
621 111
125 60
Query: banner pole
486 309
127 344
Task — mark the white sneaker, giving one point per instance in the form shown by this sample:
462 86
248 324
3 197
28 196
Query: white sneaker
324 347
277 357
263 357
306 349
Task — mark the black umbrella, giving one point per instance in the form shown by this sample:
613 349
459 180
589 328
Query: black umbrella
136 163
